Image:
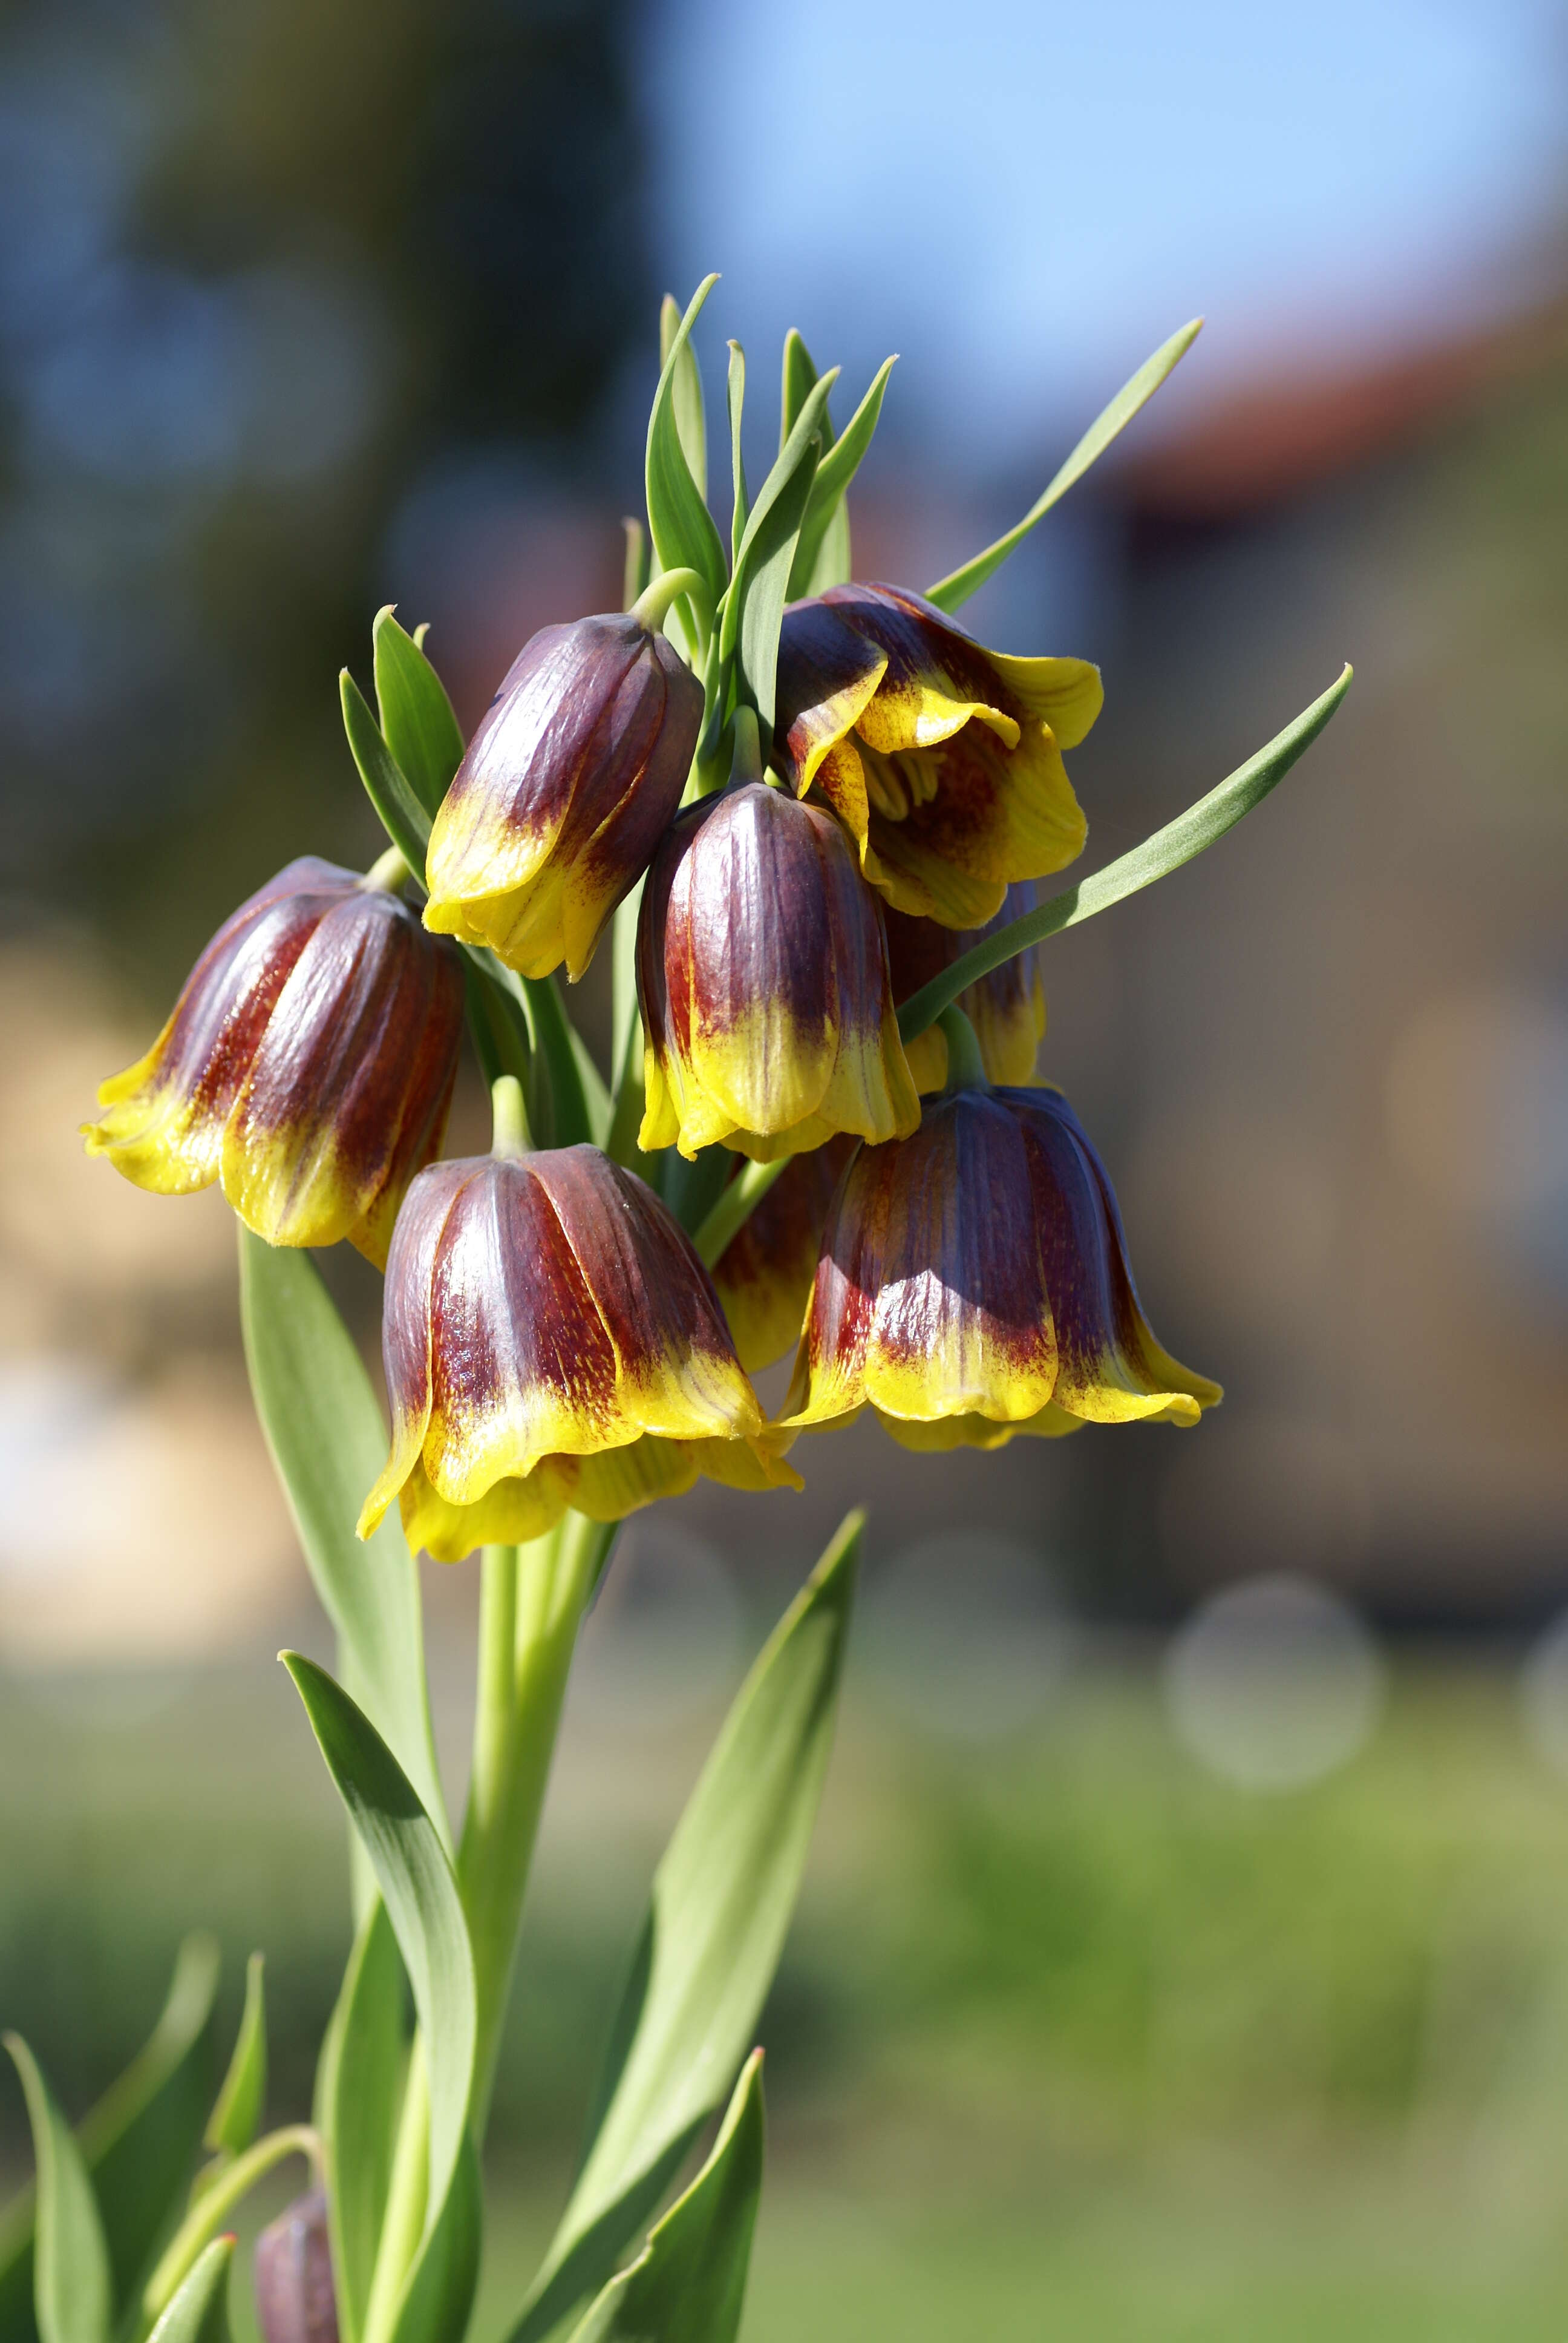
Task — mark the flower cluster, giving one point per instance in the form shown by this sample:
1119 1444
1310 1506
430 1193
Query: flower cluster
802 838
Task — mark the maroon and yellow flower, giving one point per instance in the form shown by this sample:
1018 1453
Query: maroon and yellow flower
551 1339
567 787
973 1283
942 759
1007 1007
762 972
308 1065
764 1275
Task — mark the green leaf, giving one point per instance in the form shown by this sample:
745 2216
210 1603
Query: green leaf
799 381
358 2087
139 2143
401 815
441 2286
688 2283
735 392
721 1902
1156 858
684 537
328 1441
237 2114
817 562
72 2282
754 606
417 718
199 2311
415 1876
691 416
951 592
558 1109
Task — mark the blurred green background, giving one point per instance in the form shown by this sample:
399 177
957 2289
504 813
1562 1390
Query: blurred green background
1184 1951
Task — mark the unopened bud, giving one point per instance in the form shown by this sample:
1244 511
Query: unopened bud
295 2301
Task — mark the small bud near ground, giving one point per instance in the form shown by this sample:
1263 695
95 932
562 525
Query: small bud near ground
294 2299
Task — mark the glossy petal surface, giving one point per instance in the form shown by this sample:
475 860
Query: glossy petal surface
765 1273
1007 1007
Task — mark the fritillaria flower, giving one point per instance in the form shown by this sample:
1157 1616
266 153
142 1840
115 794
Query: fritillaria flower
294 2299
763 973
942 759
973 1283
565 791
1007 1007
551 1339
308 1065
763 1277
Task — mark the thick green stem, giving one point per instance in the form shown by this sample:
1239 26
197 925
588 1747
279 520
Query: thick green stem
653 605
966 1067
510 1117
387 872
532 1601
216 2200
735 1207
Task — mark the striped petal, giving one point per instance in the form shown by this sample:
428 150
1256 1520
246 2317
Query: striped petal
1007 1007
764 1275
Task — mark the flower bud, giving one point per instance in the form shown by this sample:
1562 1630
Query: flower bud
763 1276
294 2302
308 1065
565 791
551 1339
1007 1007
973 1283
763 973
942 759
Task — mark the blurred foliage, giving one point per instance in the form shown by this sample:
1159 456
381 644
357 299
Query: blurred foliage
266 262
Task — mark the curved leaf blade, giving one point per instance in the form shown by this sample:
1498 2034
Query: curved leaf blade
358 2087
688 2283
199 2311
754 608
1166 851
418 723
328 1442
684 535
415 1876
813 555
691 416
399 811
721 1902
237 2112
950 593
73 2286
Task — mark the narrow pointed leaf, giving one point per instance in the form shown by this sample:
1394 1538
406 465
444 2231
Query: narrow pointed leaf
826 505
414 1876
237 2114
139 2141
688 2283
401 815
328 1441
798 383
684 535
440 2293
951 592
417 722
721 1902
691 416
735 391
633 565
358 2089
199 2311
1156 858
72 2283
754 608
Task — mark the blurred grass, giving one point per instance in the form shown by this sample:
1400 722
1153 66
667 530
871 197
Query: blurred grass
1071 2040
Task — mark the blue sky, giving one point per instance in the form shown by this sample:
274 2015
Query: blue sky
1025 199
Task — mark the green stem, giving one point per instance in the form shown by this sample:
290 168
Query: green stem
387 872
217 2199
966 1067
531 1602
510 1117
403 2223
653 605
1200 827
735 1208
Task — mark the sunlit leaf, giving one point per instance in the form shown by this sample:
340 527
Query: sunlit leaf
753 608
199 2311
691 416
417 718
401 813
817 562
238 2113
684 535
797 382
72 2284
359 2088
735 394
721 1902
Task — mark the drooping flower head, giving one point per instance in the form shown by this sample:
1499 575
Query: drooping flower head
763 973
942 759
308 1065
763 1277
551 1339
1006 1008
564 790
973 1283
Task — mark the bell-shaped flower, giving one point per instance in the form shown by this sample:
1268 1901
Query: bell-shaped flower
308 1065
763 1277
973 1283
551 1339
1007 1007
762 972
566 789
943 759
